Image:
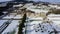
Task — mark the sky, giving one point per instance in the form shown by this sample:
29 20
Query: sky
36 0
4 0
48 0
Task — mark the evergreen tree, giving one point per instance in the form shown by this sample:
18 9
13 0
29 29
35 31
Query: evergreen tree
21 25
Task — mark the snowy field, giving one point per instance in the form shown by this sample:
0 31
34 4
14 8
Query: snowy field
13 25
34 27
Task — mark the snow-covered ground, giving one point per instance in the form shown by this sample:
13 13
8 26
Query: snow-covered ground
39 27
2 21
13 25
34 27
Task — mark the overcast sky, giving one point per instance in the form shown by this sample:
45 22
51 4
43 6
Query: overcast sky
4 0
36 0
48 0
